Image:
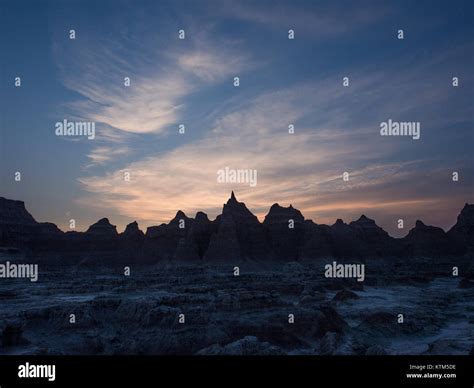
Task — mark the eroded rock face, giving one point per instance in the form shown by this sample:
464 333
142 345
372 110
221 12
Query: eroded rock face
193 247
345 240
161 242
17 226
425 240
239 235
14 213
317 242
224 244
372 240
131 243
132 231
461 235
284 230
102 229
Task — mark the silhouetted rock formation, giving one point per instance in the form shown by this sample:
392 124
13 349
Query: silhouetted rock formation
162 241
102 229
234 235
425 240
461 234
373 239
132 231
239 234
131 242
19 228
346 242
285 231
194 246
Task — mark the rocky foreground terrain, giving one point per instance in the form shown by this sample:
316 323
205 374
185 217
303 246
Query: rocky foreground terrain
240 315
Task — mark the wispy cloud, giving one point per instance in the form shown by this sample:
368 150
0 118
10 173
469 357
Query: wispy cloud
160 82
312 21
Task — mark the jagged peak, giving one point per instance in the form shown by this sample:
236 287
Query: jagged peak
467 208
278 212
232 199
201 216
277 206
103 221
233 202
237 208
133 229
419 224
364 221
465 217
132 226
178 217
102 225
180 214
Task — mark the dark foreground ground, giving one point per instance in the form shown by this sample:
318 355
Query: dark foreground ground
246 314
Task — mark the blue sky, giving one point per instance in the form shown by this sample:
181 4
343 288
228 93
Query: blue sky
282 82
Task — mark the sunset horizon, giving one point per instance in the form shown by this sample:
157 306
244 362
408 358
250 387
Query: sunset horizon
136 123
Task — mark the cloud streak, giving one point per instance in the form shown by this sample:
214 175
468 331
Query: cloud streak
160 83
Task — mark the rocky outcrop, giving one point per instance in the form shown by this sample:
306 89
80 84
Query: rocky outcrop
346 242
18 228
372 240
461 235
425 240
161 242
284 229
195 244
132 232
317 242
239 235
131 243
102 229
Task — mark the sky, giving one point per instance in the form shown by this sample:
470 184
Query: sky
283 82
